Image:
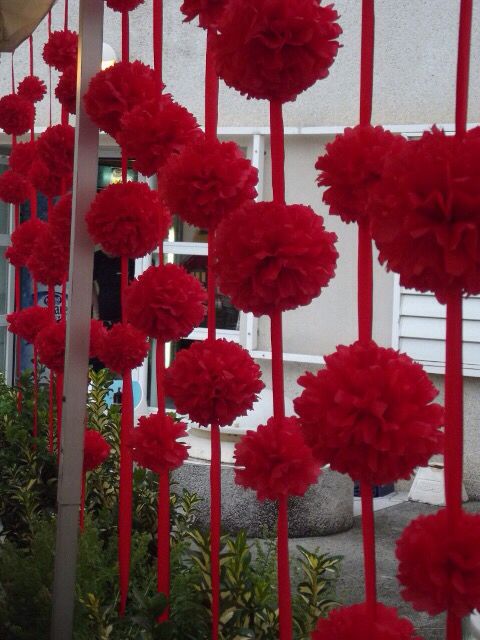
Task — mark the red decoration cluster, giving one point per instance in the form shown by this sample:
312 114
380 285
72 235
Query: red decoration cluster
45 181
275 49
165 302
274 460
124 348
281 258
209 12
98 334
14 187
28 322
66 89
208 180
22 241
48 262
60 218
22 156
55 147
95 450
60 50
369 413
32 88
16 114
213 382
155 443
50 344
123 5
439 563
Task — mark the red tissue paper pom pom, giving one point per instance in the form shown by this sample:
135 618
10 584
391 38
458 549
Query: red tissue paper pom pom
16 114
354 623
275 49
439 563
165 302
60 218
155 443
14 187
98 334
123 348
426 214
207 181
66 89
352 166
281 258
32 88
60 50
49 259
213 382
50 344
55 146
27 322
209 12
118 89
22 241
124 5
274 460
127 219
369 413
22 156
154 131
95 450
45 181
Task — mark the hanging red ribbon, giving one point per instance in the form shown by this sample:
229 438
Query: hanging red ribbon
125 490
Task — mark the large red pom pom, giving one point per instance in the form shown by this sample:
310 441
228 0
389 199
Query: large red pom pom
27 322
127 219
60 218
22 156
155 130
352 166
14 187
213 382
55 146
369 413
354 623
124 5
165 302
45 181
274 460
275 49
209 12
281 258
22 241
50 344
426 213
60 50
32 88
95 450
207 181
118 89
155 443
124 348
66 89
98 333
439 563
16 114
49 259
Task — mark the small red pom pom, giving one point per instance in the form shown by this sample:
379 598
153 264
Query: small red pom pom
27 322
60 50
49 258
98 334
354 623
207 181
369 413
50 344
281 258
66 89
45 181
124 5
439 563
55 146
16 114
154 131
165 302
124 348
155 443
274 460
14 187
209 12
22 241
213 382
127 219
60 218
95 450
275 49
32 88
21 157
118 89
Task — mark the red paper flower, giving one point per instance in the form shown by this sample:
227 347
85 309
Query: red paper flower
55 146
22 241
45 181
21 157
154 131
155 443
275 49
60 50
274 460
27 322
118 89
209 12
165 302
207 181
14 187
50 344
439 563
66 89
425 218
32 88
124 5
281 258
214 382
369 413
124 348
95 450
49 259
127 219
353 623
98 334
16 114
60 218
352 166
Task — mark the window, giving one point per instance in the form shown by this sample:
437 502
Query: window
6 286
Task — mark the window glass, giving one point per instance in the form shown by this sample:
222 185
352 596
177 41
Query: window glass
3 281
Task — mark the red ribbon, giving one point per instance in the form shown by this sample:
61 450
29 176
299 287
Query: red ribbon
215 524
125 490
51 309
163 555
284 597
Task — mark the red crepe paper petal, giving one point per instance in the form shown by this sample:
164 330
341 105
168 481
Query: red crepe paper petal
50 344
123 5
98 333
22 241
32 88
14 187
213 382
21 157
209 12
28 322
60 50
369 413
155 443
95 450
55 147
60 218
45 181
281 258
16 114
66 89
49 259
123 348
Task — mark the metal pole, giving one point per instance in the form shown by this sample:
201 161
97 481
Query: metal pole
78 328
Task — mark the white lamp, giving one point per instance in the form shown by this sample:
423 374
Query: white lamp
109 57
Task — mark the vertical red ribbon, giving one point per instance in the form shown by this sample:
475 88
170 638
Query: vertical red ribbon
51 309
215 525
125 489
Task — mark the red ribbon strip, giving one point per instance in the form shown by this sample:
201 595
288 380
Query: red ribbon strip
366 63
163 556
215 524
51 309
158 41
125 490
284 598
